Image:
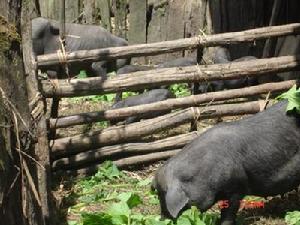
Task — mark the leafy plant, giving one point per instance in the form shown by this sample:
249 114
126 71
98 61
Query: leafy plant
82 74
180 90
109 186
292 218
293 96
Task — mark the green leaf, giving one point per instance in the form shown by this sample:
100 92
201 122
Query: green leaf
293 96
131 199
183 220
96 219
155 221
82 74
292 218
72 222
120 208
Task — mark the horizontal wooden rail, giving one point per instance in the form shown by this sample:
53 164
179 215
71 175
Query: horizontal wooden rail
169 104
134 131
122 163
88 157
172 46
167 76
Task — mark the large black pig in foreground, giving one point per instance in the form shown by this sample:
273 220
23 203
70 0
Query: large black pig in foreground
45 40
258 155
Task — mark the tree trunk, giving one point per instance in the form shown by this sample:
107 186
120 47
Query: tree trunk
20 198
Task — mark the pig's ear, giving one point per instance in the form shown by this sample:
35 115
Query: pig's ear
54 29
176 199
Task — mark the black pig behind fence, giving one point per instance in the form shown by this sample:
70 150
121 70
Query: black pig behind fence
151 96
258 155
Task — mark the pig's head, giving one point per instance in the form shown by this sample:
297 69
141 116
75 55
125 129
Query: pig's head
173 200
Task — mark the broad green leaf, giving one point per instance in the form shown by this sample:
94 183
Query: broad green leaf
183 220
96 219
293 96
292 218
120 208
130 198
119 220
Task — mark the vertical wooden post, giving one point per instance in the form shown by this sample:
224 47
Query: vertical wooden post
62 18
37 105
195 88
62 31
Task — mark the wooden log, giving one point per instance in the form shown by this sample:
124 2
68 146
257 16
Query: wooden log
126 162
97 155
143 159
169 104
119 134
172 46
40 152
166 76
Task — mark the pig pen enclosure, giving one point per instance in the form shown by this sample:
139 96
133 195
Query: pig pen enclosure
135 144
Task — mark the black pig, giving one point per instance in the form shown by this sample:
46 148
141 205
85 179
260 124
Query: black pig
45 40
222 55
151 96
258 155
179 62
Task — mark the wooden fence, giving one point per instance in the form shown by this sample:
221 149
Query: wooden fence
81 153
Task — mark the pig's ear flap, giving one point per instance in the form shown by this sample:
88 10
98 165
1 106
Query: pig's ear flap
176 199
54 29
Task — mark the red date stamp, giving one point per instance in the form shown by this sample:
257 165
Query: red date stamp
244 204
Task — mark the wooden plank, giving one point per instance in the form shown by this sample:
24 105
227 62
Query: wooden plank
175 24
53 9
157 31
44 8
194 21
137 33
89 11
103 6
120 18
72 10
137 21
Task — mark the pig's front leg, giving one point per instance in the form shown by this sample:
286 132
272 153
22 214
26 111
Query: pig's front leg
228 214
